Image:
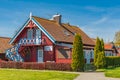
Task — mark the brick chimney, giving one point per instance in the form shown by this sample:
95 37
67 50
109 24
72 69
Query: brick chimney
57 18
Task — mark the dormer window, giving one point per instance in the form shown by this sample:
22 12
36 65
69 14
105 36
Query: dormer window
66 32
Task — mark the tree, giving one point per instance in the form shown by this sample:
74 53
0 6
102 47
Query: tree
100 60
99 54
102 45
96 50
77 54
117 38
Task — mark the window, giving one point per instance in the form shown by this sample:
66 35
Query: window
30 33
105 54
91 54
66 33
64 53
84 54
38 33
48 48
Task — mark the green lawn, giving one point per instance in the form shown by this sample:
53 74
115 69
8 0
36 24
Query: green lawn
16 74
115 73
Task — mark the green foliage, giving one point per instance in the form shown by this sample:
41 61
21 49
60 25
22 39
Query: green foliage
113 61
77 54
100 60
99 54
96 50
103 54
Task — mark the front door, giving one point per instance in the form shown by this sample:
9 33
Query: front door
40 55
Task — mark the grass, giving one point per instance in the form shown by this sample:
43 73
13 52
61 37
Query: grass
115 72
100 70
16 74
111 72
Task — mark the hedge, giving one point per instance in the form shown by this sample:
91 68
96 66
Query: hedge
113 61
36 66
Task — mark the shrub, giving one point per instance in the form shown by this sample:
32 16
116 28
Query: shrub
35 65
113 61
58 66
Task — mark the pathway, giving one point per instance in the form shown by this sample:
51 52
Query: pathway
94 76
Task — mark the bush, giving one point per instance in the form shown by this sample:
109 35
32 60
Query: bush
58 66
35 65
31 65
113 61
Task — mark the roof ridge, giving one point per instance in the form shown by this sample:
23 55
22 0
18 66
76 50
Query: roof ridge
44 19
70 25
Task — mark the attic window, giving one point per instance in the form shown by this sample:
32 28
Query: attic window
66 33
74 33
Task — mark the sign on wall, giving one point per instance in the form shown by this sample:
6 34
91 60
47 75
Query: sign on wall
48 48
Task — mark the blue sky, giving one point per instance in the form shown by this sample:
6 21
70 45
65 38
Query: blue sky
95 17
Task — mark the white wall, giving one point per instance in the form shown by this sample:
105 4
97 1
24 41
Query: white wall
109 53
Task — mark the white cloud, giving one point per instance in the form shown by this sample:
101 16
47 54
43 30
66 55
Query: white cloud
104 28
102 20
94 8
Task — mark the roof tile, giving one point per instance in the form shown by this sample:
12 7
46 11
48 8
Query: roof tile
4 44
63 32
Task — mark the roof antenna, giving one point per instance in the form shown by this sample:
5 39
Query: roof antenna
30 15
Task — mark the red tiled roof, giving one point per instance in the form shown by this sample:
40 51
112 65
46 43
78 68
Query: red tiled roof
94 39
4 44
63 32
108 46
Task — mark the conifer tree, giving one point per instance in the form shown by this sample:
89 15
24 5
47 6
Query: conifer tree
102 54
99 62
96 50
77 54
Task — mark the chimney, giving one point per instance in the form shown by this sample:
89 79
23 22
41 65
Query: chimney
57 18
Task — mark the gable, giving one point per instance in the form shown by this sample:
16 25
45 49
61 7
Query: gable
19 31
38 25
44 30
